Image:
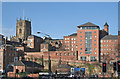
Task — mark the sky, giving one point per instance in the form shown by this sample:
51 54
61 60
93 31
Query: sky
59 19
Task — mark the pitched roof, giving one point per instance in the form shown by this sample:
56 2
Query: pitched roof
113 37
106 24
27 63
74 34
87 24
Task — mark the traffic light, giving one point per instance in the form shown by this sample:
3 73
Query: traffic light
118 66
114 66
104 67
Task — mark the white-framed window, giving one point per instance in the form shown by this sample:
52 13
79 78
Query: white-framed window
101 53
74 39
101 45
71 45
80 52
95 52
95 36
71 38
65 41
104 40
74 42
101 49
65 38
94 48
101 41
71 41
72 49
115 40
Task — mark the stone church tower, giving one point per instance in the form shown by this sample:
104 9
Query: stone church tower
23 29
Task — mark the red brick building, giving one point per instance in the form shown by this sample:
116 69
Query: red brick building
109 48
88 42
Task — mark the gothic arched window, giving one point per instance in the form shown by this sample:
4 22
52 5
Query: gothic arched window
20 30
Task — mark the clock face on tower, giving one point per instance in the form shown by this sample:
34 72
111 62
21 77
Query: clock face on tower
20 23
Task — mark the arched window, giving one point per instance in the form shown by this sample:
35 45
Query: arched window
20 30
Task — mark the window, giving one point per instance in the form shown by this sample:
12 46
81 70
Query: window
71 38
95 36
95 44
115 40
20 30
74 38
81 36
80 44
65 38
101 53
101 45
95 49
94 31
74 42
71 45
81 40
44 46
101 57
95 52
72 49
104 40
81 53
95 40
101 41
30 44
81 48
115 45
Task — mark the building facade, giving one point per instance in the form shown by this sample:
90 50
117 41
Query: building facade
109 48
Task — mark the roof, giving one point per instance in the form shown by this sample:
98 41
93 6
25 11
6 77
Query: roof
18 63
74 34
112 37
27 63
106 24
87 24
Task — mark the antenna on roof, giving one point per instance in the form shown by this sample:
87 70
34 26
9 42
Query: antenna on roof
23 13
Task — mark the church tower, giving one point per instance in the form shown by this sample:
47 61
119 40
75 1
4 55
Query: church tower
23 29
106 28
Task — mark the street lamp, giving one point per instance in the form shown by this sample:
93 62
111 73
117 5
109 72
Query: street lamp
43 34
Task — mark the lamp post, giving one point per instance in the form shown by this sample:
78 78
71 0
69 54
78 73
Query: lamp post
43 34
74 63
